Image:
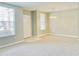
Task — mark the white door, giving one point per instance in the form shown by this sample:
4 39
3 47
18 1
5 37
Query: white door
27 26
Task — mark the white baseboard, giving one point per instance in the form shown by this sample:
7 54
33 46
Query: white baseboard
11 44
26 36
38 36
39 39
73 36
43 34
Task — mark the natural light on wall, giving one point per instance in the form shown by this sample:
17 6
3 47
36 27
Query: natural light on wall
7 27
42 22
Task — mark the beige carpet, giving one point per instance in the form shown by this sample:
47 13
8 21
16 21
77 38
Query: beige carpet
44 46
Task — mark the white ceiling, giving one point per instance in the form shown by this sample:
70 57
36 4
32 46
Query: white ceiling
47 6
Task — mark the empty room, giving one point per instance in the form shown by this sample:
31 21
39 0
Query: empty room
39 29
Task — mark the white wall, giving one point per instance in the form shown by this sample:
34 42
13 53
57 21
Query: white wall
65 23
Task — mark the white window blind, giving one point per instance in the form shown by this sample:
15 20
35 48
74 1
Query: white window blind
42 21
7 27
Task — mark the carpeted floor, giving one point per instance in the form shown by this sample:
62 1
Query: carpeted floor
46 46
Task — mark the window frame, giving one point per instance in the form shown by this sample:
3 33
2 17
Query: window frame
44 22
12 7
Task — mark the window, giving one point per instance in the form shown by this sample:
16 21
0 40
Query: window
42 22
7 27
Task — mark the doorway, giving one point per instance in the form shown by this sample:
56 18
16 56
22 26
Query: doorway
27 26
